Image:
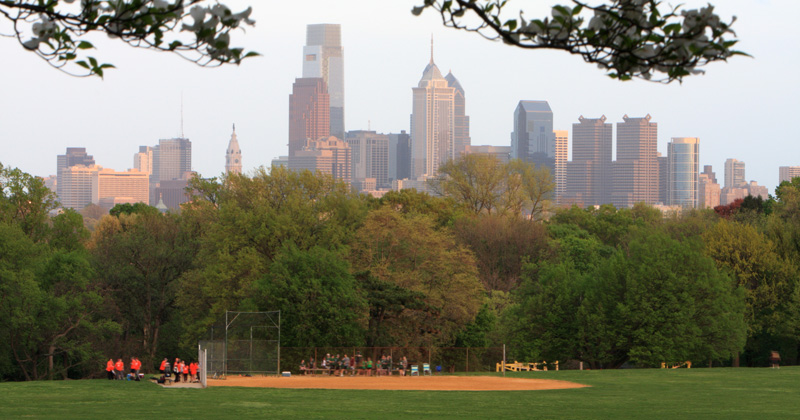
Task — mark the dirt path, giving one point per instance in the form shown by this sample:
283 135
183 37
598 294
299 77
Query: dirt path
425 383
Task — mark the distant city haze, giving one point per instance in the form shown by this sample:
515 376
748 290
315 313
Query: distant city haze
742 110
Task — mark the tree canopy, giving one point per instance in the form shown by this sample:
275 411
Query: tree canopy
627 38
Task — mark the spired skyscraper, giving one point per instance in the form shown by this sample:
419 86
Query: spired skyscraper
323 57
233 155
461 137
432 122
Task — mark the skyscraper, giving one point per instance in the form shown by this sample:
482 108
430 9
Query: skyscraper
560 168
787 173
635 172
323 57
233 155
172 159
708 195
589 172
309 113
461 137
74 156
143 160
432 122
327 155
734 174
533 139
399 155
683 154
370 156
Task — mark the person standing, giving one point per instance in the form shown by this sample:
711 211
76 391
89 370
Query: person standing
176 368
164 364
110 369
185 368
119 369
775 359
193 370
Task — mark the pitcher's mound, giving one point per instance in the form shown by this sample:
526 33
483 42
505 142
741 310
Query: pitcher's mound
424 383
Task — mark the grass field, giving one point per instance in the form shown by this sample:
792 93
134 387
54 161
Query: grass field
723 393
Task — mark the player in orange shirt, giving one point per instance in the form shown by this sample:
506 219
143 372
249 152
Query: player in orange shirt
193 370
110 368
185 369
163 365
119 369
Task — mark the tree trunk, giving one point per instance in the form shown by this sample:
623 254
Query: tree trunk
50 353
736 360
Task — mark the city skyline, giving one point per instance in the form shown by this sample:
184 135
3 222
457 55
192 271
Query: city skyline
388 61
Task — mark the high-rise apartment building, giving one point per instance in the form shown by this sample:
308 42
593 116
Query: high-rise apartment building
399 155
233 155
787 173
327 155
369 152
309 112
323 57
461 137
734 173
74 156
635 172
683 154
708 195
77 186
560 163
589 172
432 122
143 160
172 159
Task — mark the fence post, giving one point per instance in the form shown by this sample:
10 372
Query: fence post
504 360
467 359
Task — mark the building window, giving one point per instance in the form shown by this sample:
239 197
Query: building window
311 57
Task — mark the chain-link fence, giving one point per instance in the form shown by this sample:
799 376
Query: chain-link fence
440 359
243 343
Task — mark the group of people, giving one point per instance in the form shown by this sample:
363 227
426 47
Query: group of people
180 369
357 365
116 370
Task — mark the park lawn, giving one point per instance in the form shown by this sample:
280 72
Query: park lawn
724 393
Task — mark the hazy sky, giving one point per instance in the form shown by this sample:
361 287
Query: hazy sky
746 109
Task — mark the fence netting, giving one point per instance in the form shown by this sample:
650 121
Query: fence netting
245 343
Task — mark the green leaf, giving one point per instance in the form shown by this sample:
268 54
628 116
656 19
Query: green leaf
84 45
82 64
416 11
93 61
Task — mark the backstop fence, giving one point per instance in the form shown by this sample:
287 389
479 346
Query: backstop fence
243 343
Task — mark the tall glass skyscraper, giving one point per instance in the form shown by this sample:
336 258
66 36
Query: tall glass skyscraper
684 168
323 57
432 122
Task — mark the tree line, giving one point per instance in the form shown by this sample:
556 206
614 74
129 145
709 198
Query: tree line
488 261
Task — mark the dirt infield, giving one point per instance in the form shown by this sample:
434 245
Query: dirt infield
423 383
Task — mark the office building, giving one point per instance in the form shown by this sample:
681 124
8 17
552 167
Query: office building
143 160
533 139
683 154
501 153
309 112
326 155
560 164
172 159
432 122
74 156
323 57
369 154
399 155
635 172
77 186
589 171
461 137
114 187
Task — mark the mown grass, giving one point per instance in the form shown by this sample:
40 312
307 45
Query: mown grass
722 393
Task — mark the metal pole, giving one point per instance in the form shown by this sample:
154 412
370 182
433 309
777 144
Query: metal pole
279 343
251 349
225 348
504 360
467 359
